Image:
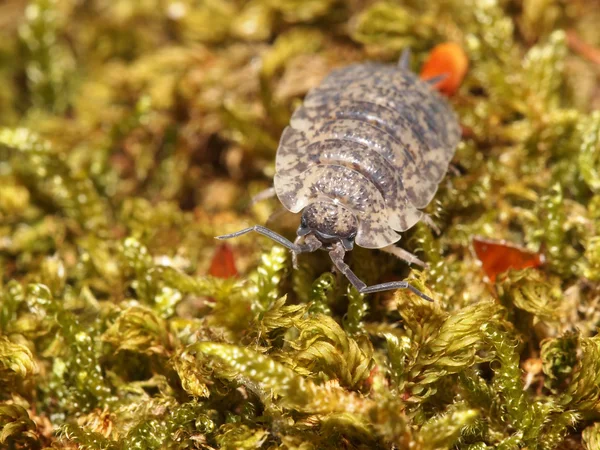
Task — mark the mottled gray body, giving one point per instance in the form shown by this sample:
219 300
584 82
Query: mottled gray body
369 146
361 157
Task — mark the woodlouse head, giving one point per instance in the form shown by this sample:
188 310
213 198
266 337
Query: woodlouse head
330 223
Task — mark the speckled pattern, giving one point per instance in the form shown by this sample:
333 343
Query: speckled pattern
330 218
373 138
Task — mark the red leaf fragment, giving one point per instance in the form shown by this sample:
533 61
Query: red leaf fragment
446 59
499 256
223 262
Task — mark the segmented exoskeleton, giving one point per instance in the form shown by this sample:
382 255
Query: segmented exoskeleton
361 157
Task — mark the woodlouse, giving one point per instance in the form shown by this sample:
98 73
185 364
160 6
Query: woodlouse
363 154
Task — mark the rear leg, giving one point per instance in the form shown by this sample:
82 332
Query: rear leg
404 61
454 170
275 215
427 220
263 195
404 255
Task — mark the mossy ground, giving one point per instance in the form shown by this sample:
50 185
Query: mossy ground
133 132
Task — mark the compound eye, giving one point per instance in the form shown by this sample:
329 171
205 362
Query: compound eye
303 229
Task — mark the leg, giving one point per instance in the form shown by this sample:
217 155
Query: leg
265 232
263 195
404 62
454 170
298 241
431 224
337 256
276 214
436 79
311 243
404 255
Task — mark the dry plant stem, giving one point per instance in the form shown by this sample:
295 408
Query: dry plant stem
584 49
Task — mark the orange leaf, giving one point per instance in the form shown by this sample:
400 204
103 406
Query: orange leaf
223 262
499 256
446 59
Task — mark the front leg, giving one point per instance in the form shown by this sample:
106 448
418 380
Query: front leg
265 232
310 245
337 257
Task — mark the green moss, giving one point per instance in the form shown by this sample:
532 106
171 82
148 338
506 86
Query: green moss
134 132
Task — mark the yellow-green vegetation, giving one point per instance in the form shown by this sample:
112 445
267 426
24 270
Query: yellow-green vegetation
134 131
